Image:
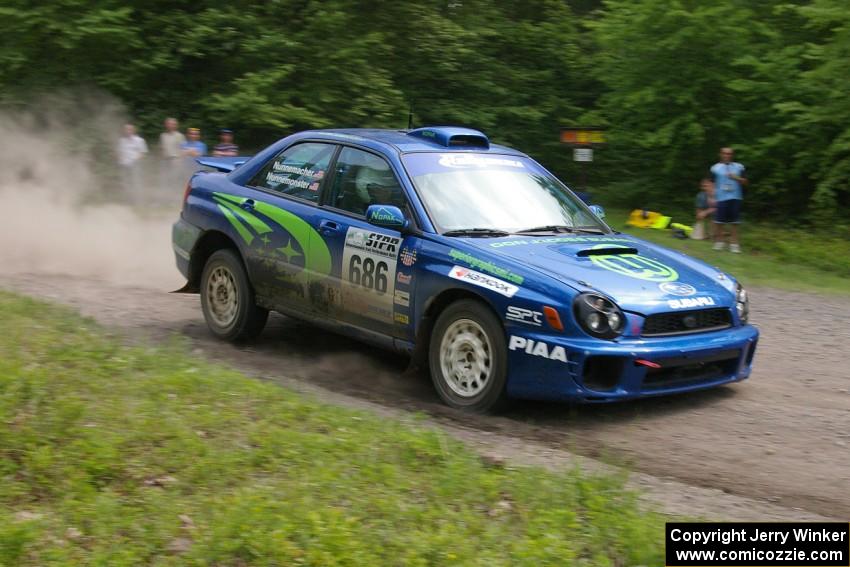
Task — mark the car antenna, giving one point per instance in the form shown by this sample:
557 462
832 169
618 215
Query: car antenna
410 118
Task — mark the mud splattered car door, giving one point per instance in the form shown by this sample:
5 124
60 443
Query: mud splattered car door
364 284
289 248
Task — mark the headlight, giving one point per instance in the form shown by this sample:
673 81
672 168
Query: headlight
742 304
598 316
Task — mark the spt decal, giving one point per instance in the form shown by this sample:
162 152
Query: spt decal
635 266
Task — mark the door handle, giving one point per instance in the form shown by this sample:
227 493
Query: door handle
327 227
247 204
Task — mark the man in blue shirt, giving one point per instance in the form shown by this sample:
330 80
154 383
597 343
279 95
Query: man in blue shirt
728 193
193 147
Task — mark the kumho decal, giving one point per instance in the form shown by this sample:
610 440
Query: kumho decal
483 280
635 266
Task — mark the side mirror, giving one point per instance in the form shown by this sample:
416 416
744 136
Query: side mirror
598 211
387 216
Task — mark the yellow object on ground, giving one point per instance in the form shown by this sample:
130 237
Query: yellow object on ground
687 229
648 219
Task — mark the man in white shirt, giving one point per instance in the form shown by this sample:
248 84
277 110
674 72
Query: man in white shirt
131 149
170 143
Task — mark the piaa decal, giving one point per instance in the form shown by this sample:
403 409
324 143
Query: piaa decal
537 348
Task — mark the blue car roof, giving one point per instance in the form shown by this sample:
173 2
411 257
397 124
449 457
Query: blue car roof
427 139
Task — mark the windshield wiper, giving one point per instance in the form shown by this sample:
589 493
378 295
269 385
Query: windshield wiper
558 228
589 230
483 232
547 228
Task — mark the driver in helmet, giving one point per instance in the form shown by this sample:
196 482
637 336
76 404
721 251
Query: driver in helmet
377 186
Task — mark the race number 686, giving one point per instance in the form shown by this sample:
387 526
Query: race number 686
368 273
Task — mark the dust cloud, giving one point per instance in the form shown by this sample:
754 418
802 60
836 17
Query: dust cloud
64 206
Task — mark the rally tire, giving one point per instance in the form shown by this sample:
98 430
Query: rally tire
227 298
467 357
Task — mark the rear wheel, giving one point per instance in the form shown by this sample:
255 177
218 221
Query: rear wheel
468 357
227 298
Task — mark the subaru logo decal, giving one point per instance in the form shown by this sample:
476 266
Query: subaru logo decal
677 288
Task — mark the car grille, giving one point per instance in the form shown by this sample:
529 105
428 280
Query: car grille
679 371
681 322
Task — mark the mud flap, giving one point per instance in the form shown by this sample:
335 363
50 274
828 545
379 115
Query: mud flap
187 288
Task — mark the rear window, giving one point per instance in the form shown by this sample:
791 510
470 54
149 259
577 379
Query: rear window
297 171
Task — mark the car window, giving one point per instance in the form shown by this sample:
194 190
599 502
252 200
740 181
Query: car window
362 179
297 170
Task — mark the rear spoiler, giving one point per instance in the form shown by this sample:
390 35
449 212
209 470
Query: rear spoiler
224 164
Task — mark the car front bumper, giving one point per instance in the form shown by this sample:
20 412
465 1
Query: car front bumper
606 371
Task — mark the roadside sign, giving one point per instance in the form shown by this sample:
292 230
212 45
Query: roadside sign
582 154
583 136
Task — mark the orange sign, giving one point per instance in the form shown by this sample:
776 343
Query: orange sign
588 136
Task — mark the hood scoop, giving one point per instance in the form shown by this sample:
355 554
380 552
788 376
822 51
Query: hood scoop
607 251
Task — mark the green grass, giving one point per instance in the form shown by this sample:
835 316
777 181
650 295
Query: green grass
772 256
126 455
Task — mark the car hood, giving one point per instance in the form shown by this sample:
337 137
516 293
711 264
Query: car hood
638 275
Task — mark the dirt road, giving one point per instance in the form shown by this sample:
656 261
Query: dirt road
781 439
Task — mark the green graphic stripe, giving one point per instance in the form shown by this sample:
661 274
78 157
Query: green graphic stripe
317 257
259 226
240 228
232 198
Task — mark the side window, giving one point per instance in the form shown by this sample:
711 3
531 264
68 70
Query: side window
297 170
364 179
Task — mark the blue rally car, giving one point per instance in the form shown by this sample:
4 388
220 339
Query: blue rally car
467 255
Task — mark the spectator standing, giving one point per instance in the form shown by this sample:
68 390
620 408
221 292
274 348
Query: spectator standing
225 146
131 149
170 144
193 147
705 206
728 183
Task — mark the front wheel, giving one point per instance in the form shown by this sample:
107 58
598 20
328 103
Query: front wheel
468 357
227 298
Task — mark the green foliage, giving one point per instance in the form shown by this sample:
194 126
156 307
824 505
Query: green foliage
673 80
685 77
117 455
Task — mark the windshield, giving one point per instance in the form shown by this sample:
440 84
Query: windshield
464 191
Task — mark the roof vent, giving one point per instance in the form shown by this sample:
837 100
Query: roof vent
452 136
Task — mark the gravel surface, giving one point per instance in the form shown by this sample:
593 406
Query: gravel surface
776 447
